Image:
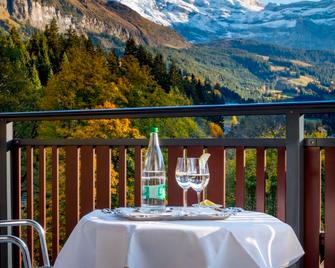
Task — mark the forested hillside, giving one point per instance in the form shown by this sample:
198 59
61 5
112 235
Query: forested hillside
261 71
51 71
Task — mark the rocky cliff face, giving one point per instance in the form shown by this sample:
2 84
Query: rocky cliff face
93 18
3 4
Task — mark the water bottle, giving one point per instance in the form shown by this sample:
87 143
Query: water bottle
153 177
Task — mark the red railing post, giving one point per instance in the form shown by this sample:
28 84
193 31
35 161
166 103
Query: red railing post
123 176
216 188
260 179
330 208
138 176
55 202
312 206
71 188
281 184
87 202
30 197
175 193
240 177
103 181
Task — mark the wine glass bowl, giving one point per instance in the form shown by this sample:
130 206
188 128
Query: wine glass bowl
194 173
198 175
182 178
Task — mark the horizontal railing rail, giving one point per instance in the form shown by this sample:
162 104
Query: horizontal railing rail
229 142
280 108
323 142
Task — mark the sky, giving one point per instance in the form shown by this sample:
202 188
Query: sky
280 1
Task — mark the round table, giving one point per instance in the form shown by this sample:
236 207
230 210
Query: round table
247 239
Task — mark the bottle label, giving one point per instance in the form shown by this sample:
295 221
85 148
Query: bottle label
154 191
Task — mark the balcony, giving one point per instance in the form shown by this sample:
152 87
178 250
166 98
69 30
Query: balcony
34 173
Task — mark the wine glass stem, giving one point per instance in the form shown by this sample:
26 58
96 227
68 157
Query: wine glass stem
198 196
184 198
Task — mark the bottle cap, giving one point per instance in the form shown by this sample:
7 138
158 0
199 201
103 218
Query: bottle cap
154 129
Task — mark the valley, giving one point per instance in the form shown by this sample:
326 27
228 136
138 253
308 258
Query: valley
259 71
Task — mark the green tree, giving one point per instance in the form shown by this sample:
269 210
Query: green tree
55 44
83 82
20 88
71 39
131 48
175 77
160 73
112 62
38 49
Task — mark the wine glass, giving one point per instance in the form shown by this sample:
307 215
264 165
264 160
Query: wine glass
198 175
182 178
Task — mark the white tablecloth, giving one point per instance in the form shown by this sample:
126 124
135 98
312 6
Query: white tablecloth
246 240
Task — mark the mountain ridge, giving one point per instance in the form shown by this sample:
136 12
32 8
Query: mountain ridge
97 19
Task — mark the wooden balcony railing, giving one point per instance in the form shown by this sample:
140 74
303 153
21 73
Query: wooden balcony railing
82 170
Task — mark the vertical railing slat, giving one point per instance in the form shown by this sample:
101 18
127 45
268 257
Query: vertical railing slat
16 158
330 208
86 180
138 175
42 192
103 182
175 193
42 187
281 183
194 151
71 188
216 188
260 179
55 202
312 206
122 176
240 177
30 198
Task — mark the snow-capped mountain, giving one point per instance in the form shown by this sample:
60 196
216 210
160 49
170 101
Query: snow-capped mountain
304 24
170 12
197 17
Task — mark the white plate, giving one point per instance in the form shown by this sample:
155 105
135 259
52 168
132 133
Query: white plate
174 214
203 206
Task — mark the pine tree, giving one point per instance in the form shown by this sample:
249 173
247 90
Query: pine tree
19 90
65 59
144 56
54 42
71 39
175 77
160 73
131 48
112 62
38 47
18 43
